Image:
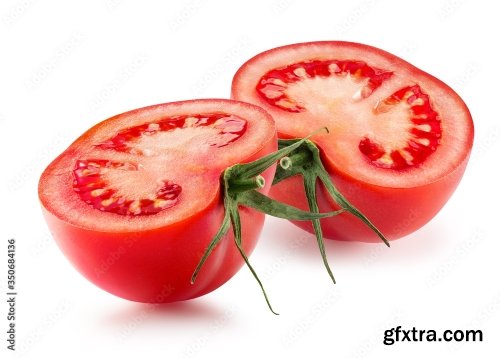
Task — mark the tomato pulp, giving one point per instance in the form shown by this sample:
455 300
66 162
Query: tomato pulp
399 139
135 201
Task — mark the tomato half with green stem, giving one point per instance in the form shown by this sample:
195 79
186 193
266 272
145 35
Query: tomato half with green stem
141 203
398 143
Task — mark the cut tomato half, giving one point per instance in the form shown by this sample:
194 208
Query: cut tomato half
398 141
136 200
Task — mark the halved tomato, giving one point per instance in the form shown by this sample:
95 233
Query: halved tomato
136 200
399 139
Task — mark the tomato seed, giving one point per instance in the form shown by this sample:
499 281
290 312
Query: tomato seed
424 135
272 86
124 140
94 190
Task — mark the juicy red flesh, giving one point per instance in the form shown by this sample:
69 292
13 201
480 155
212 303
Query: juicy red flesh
94 190
229 127
425 134
272 86
90 183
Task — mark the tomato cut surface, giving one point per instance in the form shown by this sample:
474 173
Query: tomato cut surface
153 166
391 126
136 200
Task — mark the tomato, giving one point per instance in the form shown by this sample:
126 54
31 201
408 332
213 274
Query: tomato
135 201
399 139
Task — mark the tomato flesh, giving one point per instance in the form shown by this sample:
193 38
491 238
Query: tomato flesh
272 85
92 186
425 133
422 137
398 142
229 129
135 201
94 190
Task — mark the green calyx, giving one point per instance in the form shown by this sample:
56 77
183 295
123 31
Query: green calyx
305 160
241 181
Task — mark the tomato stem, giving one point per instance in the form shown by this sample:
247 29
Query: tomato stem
285 162
239 184
297 159
241 181
245 184
305 160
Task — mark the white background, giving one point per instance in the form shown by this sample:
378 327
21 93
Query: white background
64 66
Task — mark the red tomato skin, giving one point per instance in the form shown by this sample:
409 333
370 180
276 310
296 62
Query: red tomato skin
155 266
396 212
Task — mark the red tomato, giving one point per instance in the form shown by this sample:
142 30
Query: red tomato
135 201
399 139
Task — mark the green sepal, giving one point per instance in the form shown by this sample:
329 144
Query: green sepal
260 202
305 160
240 183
